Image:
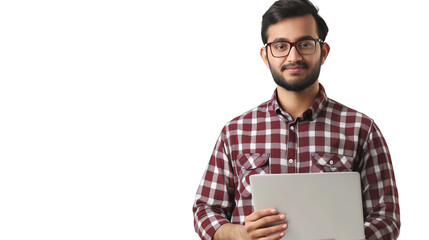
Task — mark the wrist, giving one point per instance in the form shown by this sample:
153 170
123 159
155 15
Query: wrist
230 231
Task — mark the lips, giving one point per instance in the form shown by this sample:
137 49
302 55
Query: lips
294 67
294 70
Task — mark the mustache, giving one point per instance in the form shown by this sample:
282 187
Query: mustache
295 64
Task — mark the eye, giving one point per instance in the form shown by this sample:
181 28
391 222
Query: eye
280 46
306 44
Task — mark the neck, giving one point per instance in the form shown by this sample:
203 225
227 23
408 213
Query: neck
296 103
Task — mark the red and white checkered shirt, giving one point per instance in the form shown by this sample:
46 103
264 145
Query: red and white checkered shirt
328 137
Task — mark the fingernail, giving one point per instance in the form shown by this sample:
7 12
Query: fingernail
284 226
282 217
273 211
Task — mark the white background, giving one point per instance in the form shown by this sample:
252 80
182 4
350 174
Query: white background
109 110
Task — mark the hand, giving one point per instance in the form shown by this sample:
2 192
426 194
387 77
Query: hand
256 225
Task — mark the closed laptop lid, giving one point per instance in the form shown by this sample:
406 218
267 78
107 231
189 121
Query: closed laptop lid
316 205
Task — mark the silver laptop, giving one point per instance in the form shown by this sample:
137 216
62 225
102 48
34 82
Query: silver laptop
317 205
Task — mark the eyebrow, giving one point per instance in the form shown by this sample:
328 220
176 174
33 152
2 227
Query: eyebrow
280 39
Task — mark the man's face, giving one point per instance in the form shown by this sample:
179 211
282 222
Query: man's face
295 72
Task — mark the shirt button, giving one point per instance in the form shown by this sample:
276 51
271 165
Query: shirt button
292 128
331 162
291 161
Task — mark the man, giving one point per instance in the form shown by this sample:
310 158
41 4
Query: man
299 130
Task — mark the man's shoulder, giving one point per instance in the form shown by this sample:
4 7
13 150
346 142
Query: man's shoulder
346 114
253 115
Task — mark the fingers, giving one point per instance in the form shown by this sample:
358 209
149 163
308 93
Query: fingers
261 213
265 224
269 221
269 233
262 218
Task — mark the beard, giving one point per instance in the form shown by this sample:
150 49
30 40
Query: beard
301 84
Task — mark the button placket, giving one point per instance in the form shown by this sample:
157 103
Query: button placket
292 148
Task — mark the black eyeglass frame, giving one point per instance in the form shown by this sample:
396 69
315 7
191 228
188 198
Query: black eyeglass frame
293 44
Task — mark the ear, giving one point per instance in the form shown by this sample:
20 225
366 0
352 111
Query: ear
326 48
264 56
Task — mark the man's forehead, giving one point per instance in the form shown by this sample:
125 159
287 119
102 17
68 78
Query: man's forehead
277 39
293 29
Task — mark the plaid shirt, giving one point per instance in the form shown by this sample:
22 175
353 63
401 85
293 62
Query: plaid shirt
328 137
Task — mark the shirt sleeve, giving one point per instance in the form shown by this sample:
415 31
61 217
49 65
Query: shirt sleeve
214 200
379 192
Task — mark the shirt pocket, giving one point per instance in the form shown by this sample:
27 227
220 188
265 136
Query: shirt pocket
250 164
328 162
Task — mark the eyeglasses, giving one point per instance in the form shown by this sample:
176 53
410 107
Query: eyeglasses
282 48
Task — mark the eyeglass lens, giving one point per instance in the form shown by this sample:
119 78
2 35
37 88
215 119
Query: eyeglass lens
281 48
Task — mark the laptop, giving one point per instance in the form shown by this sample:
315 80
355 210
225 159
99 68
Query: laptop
318 206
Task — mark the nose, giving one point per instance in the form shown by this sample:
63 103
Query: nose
294 55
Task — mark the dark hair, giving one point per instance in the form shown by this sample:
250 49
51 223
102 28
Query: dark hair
292 8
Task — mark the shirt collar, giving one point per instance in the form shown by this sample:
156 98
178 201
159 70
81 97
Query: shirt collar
312 112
